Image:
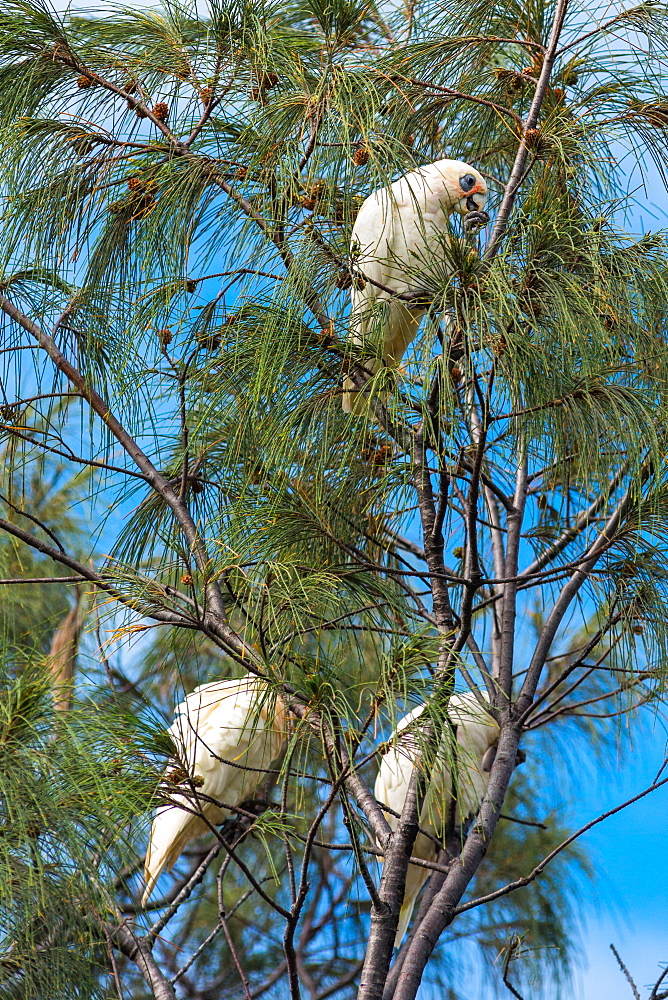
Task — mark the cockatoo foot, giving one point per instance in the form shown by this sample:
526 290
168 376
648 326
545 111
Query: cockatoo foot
473 221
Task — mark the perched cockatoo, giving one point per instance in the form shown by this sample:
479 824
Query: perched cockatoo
235 720
477 735
399 231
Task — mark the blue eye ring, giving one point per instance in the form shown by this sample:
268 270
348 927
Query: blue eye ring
467 182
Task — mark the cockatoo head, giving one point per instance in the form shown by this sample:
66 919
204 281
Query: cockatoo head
463 187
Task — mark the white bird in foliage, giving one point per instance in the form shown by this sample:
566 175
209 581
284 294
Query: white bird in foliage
476 736
227 734
400 231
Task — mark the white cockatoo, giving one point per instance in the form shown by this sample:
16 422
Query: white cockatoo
235 720
476 734
399 231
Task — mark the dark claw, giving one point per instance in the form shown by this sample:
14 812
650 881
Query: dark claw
488 759
473 221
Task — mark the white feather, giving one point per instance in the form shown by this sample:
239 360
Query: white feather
236 721
398 231
476 733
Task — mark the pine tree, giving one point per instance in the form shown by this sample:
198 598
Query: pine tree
178 194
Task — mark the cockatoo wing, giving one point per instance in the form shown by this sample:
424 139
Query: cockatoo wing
391 788
476 732
380 245
228 733
395 235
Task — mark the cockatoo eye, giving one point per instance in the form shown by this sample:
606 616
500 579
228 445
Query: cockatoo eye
467 182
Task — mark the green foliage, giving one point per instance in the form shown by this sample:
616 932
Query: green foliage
68 788
178 192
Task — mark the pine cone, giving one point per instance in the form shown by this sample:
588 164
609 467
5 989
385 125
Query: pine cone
206 94
241 173
344 280
186 579
655 114
361 156
161 111
165 336
268 80
84 81
510 78
316 189
381 455
135 183
308 203
176 776
532 137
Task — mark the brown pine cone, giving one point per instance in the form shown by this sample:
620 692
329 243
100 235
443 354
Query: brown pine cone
361 156
161 111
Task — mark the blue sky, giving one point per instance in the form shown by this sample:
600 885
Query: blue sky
630 904
629 907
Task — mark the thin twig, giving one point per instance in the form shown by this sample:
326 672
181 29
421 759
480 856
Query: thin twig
626 972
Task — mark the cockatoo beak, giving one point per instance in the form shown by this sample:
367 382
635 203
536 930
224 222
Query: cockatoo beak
475 199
